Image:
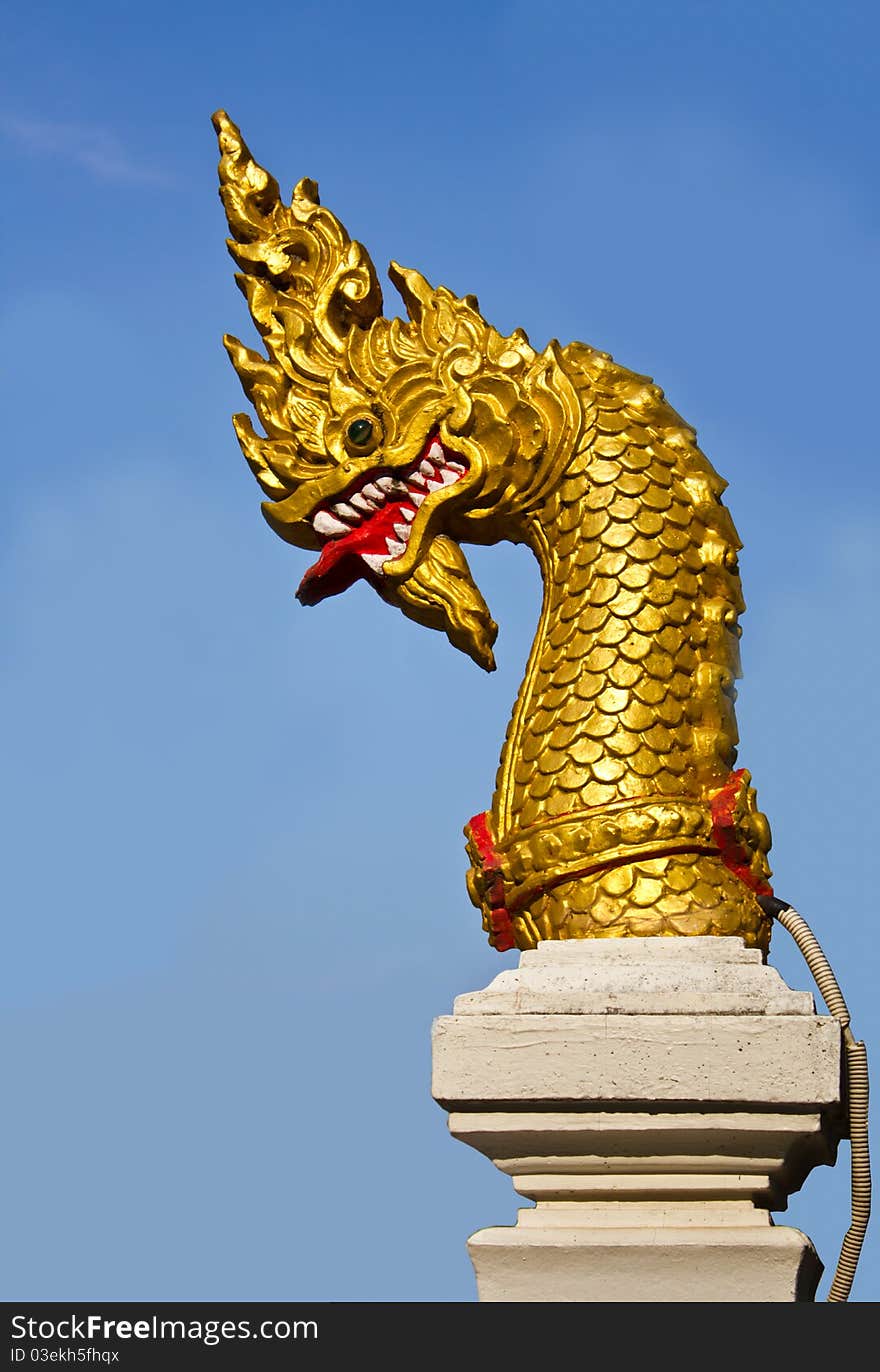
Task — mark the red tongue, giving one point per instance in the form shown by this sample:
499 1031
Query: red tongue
341 564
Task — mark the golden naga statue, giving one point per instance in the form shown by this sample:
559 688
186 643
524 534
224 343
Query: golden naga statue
389 443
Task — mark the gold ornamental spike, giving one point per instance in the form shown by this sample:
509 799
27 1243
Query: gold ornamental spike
307 285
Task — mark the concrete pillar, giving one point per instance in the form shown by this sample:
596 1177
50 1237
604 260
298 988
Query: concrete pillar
656 1098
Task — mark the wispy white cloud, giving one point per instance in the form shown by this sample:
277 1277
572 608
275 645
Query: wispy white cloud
97 150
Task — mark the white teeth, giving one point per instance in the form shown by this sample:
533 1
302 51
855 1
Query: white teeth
383 482
434 485
347 512
416 479
456 466
394 548
398 488
447 476
436 450
417 497
402 531
426 468
325 523
407 513
375 561
359 503
373 492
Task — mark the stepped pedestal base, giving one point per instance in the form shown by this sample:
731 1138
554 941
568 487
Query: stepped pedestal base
656 1098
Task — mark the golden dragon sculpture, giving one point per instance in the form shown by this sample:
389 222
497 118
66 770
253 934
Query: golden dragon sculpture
389 443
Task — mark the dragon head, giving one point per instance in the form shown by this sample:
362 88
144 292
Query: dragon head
388 443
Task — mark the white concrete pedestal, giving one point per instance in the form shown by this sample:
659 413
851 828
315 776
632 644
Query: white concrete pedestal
656 1098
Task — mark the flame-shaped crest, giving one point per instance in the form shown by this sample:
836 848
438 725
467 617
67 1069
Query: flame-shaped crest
307 285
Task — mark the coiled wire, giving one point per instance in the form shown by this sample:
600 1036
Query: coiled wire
856 1064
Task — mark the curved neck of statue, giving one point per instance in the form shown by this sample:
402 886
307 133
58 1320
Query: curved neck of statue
628 690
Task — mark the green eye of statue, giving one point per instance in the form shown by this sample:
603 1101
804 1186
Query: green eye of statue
360 432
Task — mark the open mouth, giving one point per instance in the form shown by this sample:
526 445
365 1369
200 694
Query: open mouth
370 523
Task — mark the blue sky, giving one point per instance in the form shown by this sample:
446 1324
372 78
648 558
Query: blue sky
234 874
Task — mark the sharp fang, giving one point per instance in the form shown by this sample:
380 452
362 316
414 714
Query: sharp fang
416 479
326 523
395 548
383 482
375 561
407 513
436 450
434 485
347 512
447 476
456 466
373 492
417 497
359 503
426 468
402 531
